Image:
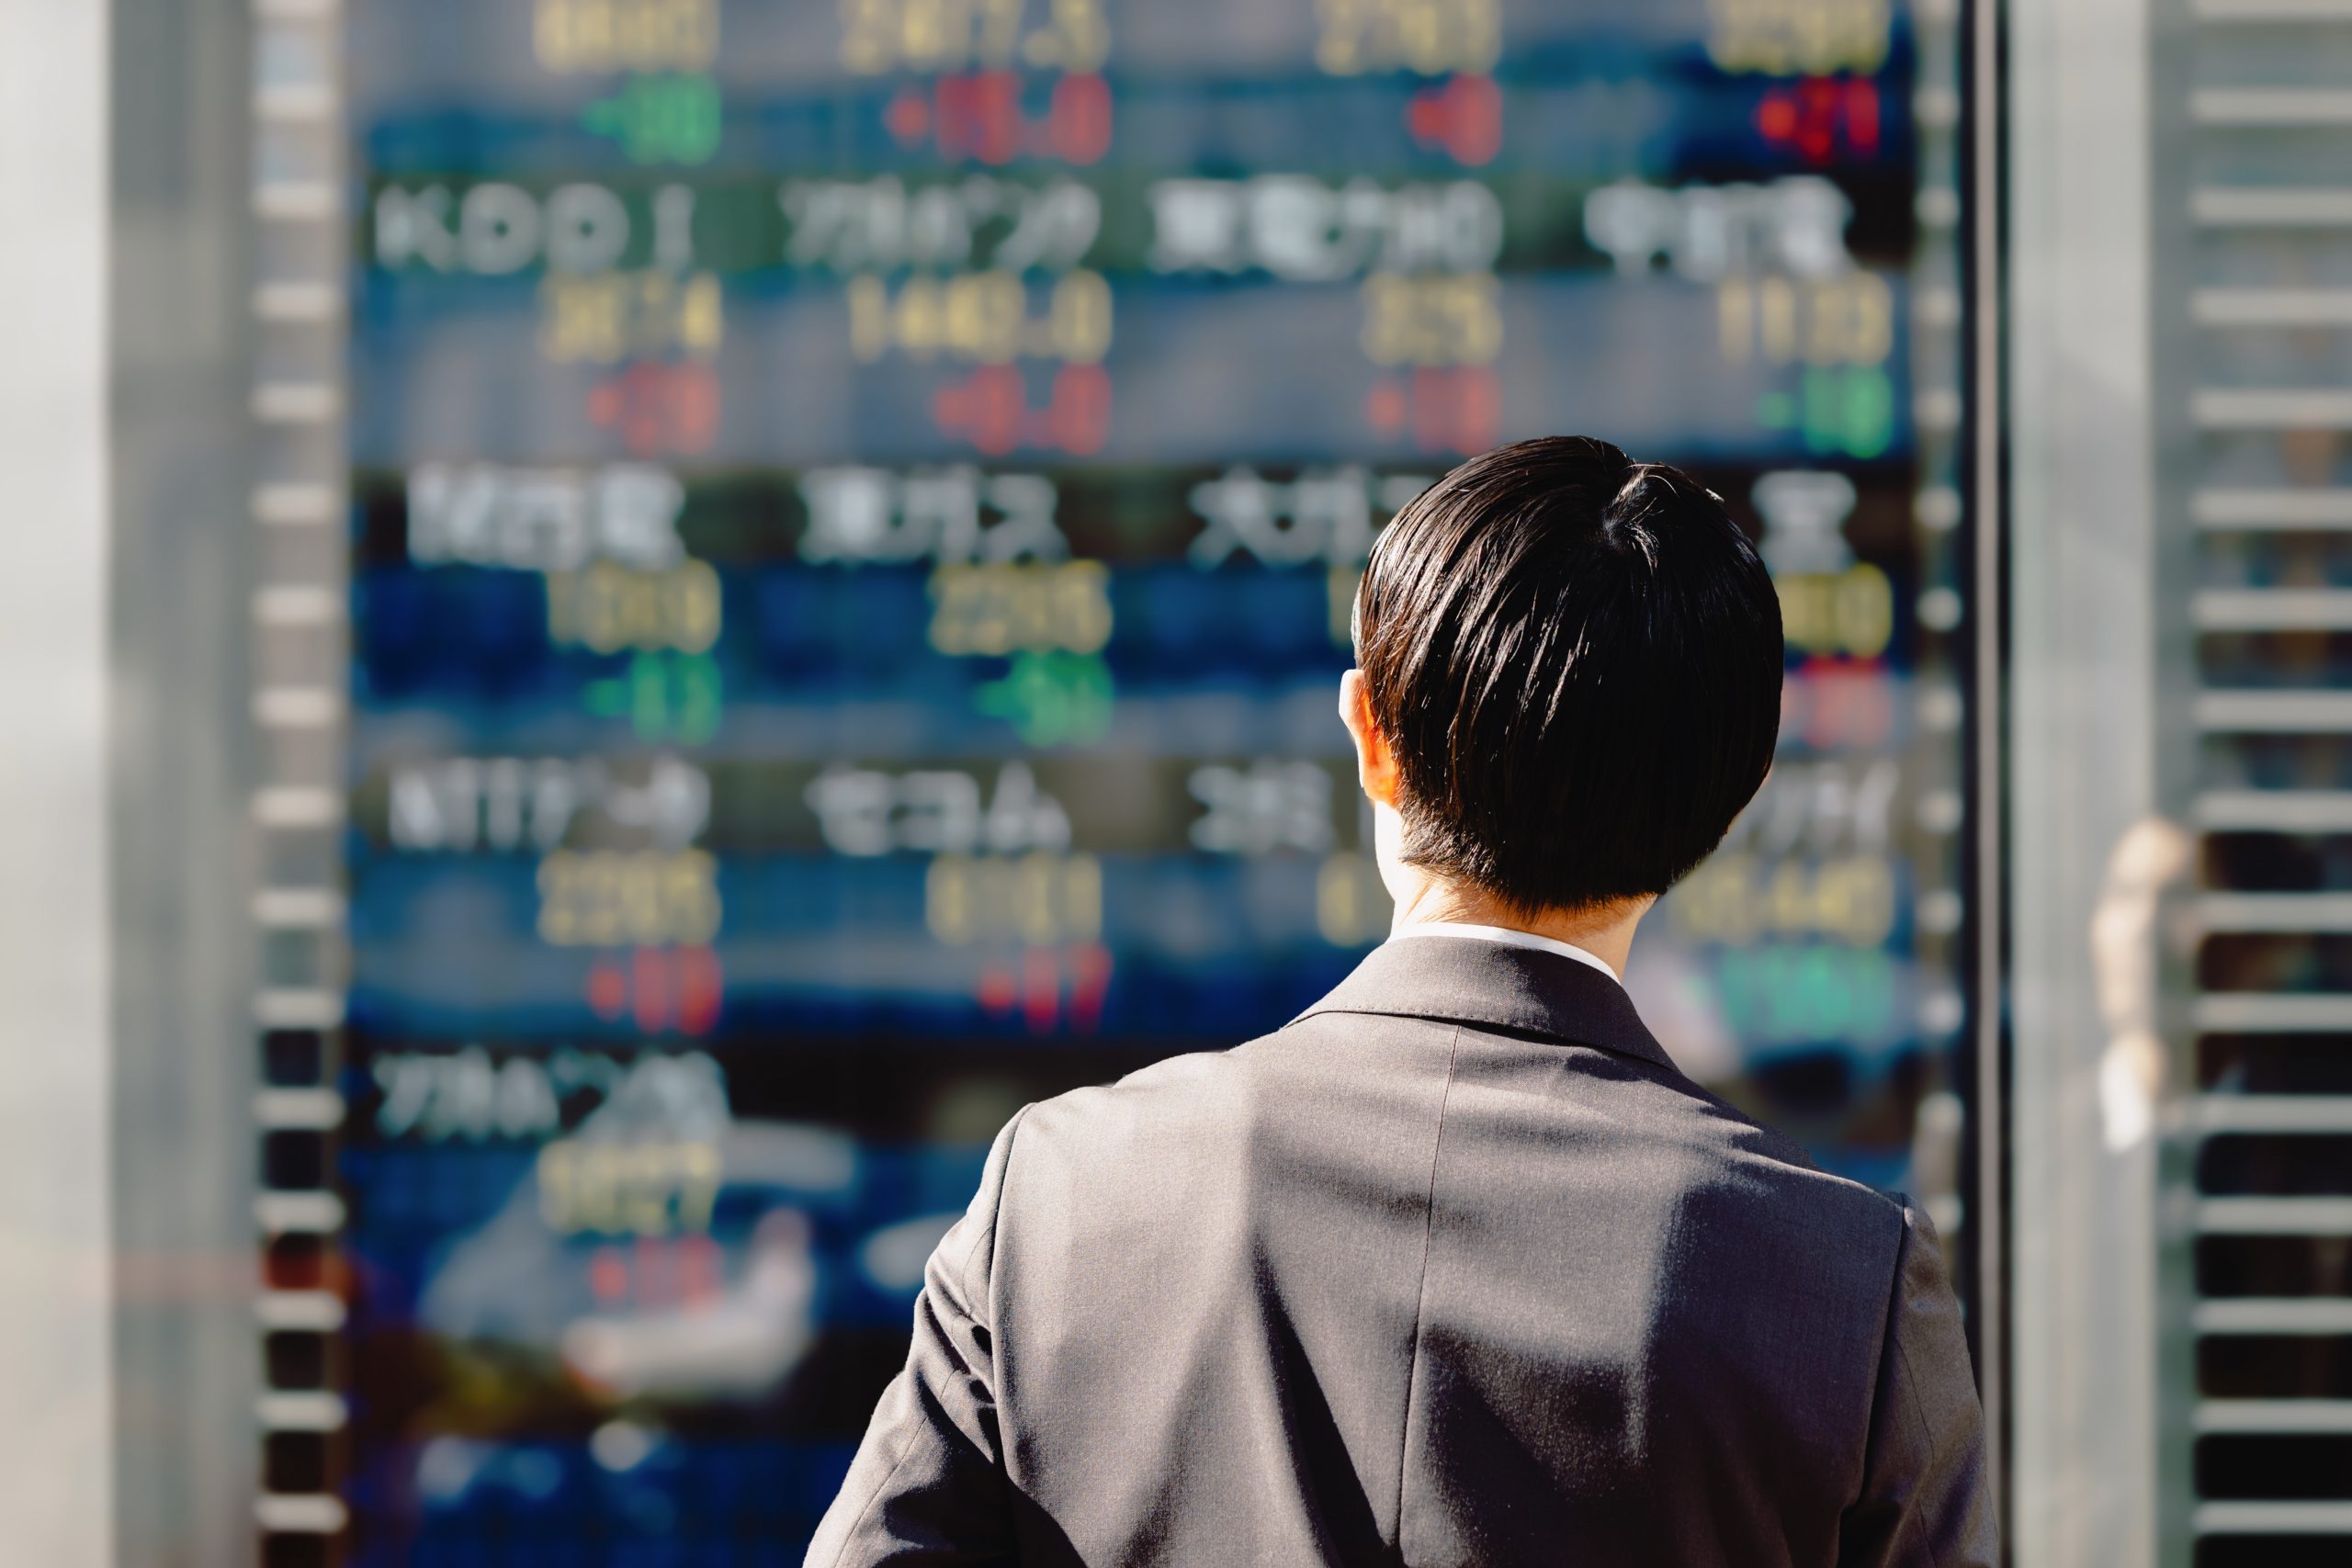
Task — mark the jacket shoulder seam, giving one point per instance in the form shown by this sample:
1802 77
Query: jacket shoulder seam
996 1212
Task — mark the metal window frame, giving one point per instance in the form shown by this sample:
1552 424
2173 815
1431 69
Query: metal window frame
183 947
2097 1465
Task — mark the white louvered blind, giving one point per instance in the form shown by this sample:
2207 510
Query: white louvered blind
301 640
2253 202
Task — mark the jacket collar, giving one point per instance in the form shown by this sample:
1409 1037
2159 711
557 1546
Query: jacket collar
1463 980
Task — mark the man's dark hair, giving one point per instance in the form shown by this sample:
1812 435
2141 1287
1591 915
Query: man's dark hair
1576 660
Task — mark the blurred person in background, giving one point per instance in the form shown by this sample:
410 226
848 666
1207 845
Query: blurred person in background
1457 1267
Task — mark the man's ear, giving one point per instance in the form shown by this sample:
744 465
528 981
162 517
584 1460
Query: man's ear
1375 764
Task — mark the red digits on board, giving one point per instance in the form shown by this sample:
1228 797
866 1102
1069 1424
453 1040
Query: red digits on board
978 115
608 1275
1818 114
1835 704
1457 410
986 407
657 1271
908 117
1041 991
1463 116
1078 419
990 408
995 992
1035 988
1449 409
659 409
660 989
1090 982
701 989
1079 123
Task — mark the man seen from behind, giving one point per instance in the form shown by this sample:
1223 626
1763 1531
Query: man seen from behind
1456 1268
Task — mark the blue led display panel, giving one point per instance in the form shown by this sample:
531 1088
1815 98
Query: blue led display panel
854 512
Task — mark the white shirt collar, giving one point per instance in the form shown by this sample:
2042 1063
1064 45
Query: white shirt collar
1508 938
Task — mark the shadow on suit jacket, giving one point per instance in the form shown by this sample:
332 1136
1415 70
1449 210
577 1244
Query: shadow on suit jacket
1456 1268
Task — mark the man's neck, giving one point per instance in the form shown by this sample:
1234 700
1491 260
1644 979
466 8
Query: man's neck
1605 931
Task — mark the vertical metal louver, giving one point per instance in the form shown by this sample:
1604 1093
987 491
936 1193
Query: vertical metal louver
299 655
2252 103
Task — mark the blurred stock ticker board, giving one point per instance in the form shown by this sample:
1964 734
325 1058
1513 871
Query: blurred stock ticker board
855 508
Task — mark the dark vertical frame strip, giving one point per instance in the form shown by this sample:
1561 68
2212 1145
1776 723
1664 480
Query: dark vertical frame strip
1985 1269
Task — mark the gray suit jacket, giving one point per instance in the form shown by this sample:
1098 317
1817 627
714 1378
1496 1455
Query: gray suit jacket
1454 1269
